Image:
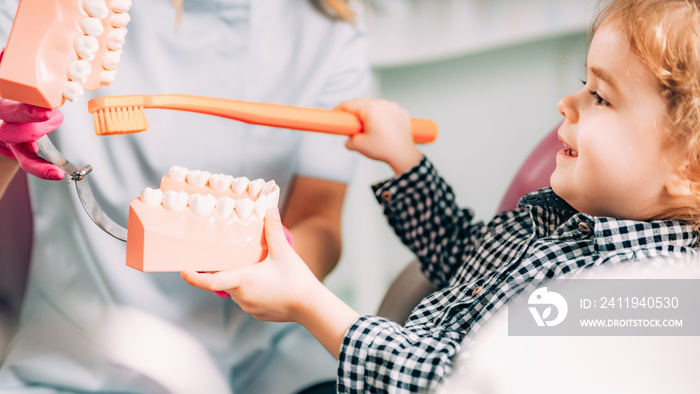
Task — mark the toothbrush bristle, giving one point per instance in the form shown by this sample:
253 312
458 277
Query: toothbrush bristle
120 120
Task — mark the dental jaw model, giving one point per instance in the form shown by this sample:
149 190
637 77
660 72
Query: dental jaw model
57 49
199 221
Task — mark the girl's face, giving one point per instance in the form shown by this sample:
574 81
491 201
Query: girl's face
613 162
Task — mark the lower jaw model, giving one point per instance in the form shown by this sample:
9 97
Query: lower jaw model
199 221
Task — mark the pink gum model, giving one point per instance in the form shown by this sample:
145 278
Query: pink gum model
168 236
41 47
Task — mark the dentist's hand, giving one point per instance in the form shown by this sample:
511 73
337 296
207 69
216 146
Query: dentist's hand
21 125
275 289
386 133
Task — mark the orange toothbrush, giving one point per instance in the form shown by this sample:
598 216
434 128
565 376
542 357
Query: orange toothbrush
125 114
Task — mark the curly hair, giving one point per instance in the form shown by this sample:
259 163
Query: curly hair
665 36
335 9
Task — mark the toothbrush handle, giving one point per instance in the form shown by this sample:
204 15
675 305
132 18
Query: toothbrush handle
285 116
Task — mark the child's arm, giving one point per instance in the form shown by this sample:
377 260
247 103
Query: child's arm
386 133
438 232
282 288
376 355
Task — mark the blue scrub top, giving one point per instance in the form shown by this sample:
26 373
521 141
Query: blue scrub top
89 323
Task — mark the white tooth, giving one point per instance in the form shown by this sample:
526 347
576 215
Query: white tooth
86 47
202 205
92 26
72 90
79 70
260 207
111 59
120 19
120 5
225 206
220 182
178 173
96 8
198 178
238 185
115 38
244 207
269 186
175 201
107 76
151 197
273 197
255 186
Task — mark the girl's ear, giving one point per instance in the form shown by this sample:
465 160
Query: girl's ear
679 186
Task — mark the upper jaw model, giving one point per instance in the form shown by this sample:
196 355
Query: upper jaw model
199 221
57 49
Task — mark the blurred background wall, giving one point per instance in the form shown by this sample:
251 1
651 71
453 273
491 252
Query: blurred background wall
490 73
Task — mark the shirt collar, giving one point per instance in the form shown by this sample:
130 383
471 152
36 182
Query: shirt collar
613 234
547 198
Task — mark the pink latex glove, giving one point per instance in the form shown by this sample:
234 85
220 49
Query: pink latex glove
287 234
20 127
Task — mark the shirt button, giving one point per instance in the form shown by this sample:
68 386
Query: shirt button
477 290
583 226
386 195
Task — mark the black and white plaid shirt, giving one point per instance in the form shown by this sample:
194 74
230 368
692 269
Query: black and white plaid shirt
477 267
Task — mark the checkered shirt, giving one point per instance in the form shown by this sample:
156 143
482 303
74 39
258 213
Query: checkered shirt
477 268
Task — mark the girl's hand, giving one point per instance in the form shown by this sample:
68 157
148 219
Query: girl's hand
276 289
386 133
282 288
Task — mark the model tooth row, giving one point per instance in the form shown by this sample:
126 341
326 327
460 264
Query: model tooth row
221 183
204 205
86 46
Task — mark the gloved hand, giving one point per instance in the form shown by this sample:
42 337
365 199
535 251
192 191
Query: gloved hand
20 127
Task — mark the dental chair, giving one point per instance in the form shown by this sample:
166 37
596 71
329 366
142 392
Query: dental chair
410 286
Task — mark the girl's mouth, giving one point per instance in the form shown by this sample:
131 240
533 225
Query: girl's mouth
569 151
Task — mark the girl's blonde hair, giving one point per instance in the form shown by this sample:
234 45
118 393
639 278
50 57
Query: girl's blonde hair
333 9
665 35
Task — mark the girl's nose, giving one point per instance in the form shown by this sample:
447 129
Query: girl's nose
567 108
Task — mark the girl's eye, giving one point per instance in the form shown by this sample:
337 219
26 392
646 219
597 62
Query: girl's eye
598 99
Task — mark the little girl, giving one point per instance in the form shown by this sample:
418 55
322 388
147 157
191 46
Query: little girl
625 188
